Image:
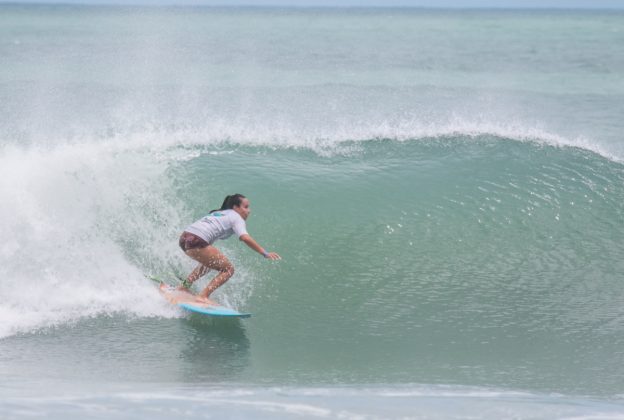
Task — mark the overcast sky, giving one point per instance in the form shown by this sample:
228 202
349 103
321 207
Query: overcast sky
571 4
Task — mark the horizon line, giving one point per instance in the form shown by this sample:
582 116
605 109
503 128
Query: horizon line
322 6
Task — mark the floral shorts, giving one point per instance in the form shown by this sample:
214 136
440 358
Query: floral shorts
191 241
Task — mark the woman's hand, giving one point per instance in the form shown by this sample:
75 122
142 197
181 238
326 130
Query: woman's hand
272 256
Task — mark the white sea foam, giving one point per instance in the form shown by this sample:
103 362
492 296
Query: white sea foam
222 136
64 213
355 402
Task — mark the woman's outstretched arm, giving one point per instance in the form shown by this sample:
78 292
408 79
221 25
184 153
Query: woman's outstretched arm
251 243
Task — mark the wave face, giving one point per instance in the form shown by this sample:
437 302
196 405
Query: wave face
446 214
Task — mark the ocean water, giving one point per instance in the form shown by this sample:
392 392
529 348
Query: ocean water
446 190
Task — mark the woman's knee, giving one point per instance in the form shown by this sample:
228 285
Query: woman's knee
228 269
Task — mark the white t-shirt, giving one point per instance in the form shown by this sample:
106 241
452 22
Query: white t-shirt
220 224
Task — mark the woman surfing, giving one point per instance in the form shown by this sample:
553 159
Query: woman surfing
198 238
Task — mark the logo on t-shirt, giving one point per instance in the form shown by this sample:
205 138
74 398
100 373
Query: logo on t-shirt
217 214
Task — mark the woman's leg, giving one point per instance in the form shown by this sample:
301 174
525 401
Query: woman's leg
211 258
198 272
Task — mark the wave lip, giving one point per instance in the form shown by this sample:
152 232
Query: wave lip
222 136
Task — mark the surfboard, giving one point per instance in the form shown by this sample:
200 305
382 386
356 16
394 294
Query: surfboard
188 302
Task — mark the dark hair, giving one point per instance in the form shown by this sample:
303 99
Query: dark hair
231 201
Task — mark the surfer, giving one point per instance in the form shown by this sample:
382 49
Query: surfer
197 242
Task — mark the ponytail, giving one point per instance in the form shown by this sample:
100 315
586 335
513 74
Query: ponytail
230 201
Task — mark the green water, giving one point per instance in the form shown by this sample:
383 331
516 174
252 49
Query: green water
445 189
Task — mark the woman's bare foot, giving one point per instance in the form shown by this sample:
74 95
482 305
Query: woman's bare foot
207 301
